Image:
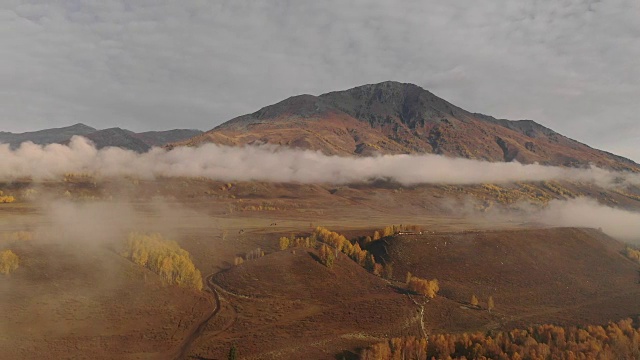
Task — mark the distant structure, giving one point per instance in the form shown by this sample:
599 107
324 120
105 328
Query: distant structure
409 233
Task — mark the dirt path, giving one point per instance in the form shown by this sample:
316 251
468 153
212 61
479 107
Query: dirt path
197 332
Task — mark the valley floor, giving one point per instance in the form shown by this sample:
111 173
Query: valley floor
73 295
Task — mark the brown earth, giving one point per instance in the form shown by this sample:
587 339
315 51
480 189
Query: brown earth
288 305
558 275
68 299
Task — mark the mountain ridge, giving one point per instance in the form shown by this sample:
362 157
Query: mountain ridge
126 139
45 136
401 118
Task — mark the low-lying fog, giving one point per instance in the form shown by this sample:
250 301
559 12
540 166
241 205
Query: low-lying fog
277 164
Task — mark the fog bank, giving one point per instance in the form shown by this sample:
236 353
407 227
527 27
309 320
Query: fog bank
579 212
277 164
586 212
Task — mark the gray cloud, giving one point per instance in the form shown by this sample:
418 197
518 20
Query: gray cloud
570 64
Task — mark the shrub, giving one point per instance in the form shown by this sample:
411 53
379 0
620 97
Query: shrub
8 262
490 304
284 243
474 300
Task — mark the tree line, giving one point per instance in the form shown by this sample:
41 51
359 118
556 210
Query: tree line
388 231
333 243
619 340
163 257
353 250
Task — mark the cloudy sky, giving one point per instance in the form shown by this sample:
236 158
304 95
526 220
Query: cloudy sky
157 64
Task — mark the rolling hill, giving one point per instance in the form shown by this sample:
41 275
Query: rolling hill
46 136
139 142
558 275
394 118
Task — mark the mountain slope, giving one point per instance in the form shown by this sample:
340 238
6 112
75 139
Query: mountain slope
160 138
139 142
119 138
510 264
393 118
47 136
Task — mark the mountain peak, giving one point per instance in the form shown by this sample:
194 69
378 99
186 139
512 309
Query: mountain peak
393 117
80 127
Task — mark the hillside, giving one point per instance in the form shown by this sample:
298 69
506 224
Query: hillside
118 137
289 306
557 275
393 118
85 302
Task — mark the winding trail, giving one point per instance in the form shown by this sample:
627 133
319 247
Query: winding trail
197 332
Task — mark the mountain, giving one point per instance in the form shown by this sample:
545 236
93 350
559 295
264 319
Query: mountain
139 142
118 137
47 136
160 138
396 118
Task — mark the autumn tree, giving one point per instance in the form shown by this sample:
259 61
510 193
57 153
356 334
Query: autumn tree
397 348
490 304
354 251
370 263
164 257
474 300
327 256
6 198
254 254
633 254
613 341
428 288
8 262
387 231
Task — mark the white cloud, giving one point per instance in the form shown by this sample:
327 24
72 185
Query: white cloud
569 64
585 212
278 164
